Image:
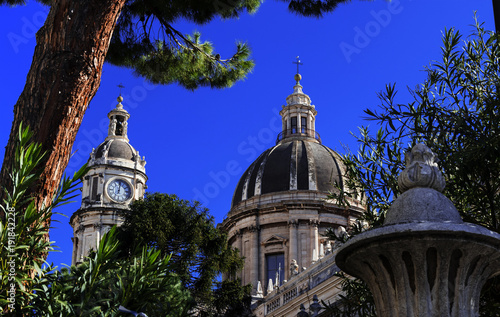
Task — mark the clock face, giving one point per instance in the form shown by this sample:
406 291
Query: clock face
119 190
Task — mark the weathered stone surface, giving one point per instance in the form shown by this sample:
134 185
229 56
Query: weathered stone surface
422 204
113 160
424 268
280 205
424 260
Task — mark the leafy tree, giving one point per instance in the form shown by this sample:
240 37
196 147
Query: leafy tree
23 248
104 281
456 112
199 250
31 287
78 36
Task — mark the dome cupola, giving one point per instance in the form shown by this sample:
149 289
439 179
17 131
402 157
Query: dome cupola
280 208
298 116
116 149
298 161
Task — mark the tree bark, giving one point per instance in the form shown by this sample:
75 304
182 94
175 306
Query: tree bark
64 76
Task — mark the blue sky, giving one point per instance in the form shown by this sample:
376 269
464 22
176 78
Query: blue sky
197 144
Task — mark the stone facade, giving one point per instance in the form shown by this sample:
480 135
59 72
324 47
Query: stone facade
280 213
116 177
318 280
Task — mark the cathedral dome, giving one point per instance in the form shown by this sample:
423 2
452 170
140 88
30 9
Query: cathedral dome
117 149
291 165
280 208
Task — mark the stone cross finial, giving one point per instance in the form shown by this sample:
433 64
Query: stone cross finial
421 170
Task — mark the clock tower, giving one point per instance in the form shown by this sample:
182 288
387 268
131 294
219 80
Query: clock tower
116 177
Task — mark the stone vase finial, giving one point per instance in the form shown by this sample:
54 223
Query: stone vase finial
421 184
424 260
421 170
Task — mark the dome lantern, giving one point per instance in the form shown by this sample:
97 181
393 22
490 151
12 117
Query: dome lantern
118 122
299 115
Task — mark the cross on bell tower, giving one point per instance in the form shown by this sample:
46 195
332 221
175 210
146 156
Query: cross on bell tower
121 86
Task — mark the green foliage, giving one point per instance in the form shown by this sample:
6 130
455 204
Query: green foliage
456 113
314 8
23 247
102 283
200 252
143 282
145 39
356 300
232 300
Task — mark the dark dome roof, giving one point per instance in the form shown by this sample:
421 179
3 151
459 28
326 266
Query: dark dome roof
116 149
292 165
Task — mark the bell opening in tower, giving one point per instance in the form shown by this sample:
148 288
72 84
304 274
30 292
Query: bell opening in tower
293 125
119 126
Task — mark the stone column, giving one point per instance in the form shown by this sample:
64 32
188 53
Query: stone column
314 239
299 122
254 255
424 260
288 123
310 124
293 255
239 245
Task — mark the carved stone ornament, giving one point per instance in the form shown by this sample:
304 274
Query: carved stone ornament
421 170
254 228
424 260
81 228
313 222
293 223
294 268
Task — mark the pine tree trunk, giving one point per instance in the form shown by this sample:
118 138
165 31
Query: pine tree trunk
64 76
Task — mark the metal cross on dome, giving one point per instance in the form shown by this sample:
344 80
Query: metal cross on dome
121 86
298 63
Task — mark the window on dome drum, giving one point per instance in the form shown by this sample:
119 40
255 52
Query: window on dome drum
303 123
275 264
293 125
93 195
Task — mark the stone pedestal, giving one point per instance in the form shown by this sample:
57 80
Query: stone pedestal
424 260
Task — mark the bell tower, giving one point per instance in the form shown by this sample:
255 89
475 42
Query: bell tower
116 177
